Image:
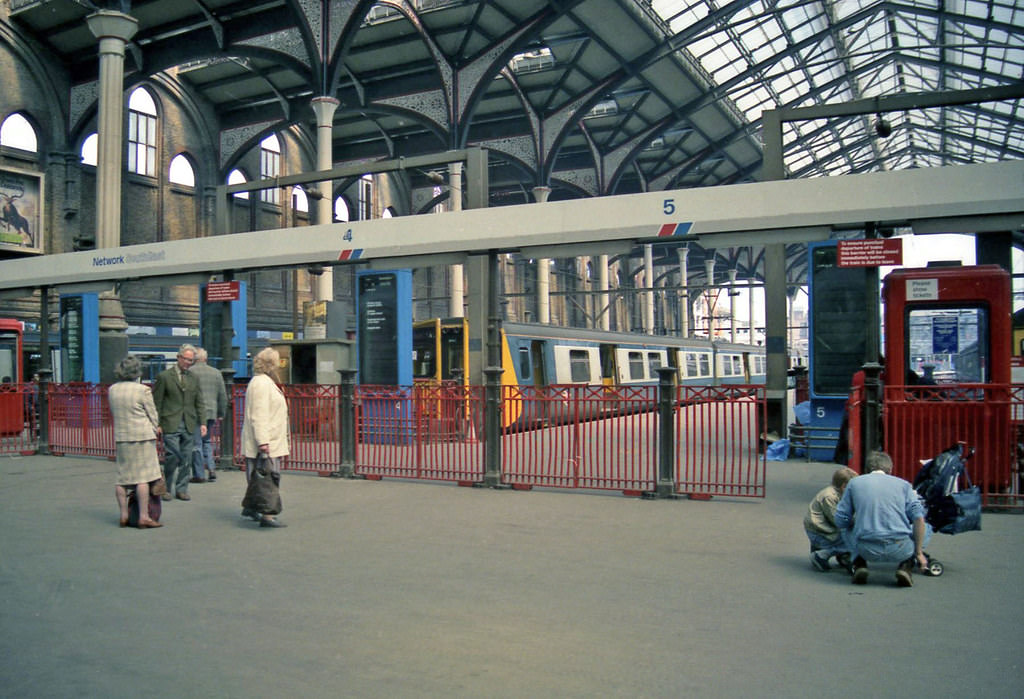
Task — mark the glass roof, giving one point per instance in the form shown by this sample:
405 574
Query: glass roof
796 53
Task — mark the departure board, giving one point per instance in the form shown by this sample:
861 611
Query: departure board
838 322
378 329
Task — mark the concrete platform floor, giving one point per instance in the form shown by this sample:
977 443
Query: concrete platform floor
398 589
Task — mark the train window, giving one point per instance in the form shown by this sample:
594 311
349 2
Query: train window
691 364
579 366
653 363
636 366
705 364
737 365
524 362
948 345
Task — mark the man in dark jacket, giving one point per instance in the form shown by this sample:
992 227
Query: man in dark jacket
179 402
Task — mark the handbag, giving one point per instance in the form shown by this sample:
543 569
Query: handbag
263 494
968 509
155 507
158 487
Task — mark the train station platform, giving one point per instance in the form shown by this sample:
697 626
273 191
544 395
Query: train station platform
410 589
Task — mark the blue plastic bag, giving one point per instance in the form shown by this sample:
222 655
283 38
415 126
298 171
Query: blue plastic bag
802 412
777 450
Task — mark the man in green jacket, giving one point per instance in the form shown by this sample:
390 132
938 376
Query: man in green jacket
179 402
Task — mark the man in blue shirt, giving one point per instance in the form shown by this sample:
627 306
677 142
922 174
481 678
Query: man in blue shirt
882 519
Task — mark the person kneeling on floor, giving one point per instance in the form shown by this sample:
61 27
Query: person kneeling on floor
820 523
882 519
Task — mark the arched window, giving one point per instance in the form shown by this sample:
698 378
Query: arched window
237 177
181 171
300 202
366 197
341 209
141 133
270 167
90 148
17 132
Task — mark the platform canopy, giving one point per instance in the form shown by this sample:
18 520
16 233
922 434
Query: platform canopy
589 97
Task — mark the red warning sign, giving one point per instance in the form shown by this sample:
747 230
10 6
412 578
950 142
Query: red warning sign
222 291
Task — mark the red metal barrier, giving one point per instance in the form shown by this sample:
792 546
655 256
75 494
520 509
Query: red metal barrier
592 437
854 411
80 421
717 441
18 426
424 432
921 421
313 412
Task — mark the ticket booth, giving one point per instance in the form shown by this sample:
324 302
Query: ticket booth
314 361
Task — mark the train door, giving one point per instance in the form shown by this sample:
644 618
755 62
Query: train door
540 376
609 376
454 352
426 351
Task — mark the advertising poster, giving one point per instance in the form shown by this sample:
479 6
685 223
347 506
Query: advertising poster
21 210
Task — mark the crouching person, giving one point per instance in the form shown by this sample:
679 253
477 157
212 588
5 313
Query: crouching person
820 523
882 519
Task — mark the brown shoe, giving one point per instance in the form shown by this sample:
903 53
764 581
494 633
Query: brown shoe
183 496
166 497
197 480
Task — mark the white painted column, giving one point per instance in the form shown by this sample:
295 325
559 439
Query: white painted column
540 194
457 301
113 29
709 269
750 307
732 305
323 108
684 294
602 283
649 288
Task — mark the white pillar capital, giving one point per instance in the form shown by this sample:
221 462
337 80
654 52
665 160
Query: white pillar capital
108 24
324 108
541 194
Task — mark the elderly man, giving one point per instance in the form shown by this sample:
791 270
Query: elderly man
215 398
882 519
179 402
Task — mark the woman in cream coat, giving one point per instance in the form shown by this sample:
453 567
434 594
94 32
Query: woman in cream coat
136 427
265 427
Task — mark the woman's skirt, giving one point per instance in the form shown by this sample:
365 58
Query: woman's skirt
137 462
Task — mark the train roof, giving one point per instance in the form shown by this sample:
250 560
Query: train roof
545 331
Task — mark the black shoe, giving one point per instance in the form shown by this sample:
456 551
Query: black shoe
211 476
860 571
276 523
843 559
252 514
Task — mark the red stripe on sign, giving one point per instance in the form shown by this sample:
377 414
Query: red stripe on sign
667 230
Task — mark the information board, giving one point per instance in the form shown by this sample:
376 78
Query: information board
79 337
384 327
838 321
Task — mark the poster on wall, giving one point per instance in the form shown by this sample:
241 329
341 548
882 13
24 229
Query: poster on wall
21 210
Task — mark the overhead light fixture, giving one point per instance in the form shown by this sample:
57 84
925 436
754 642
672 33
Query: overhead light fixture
883 129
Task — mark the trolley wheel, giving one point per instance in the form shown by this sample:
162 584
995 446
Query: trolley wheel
935 568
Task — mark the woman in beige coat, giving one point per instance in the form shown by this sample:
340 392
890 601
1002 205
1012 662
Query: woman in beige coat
136 427
265 427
